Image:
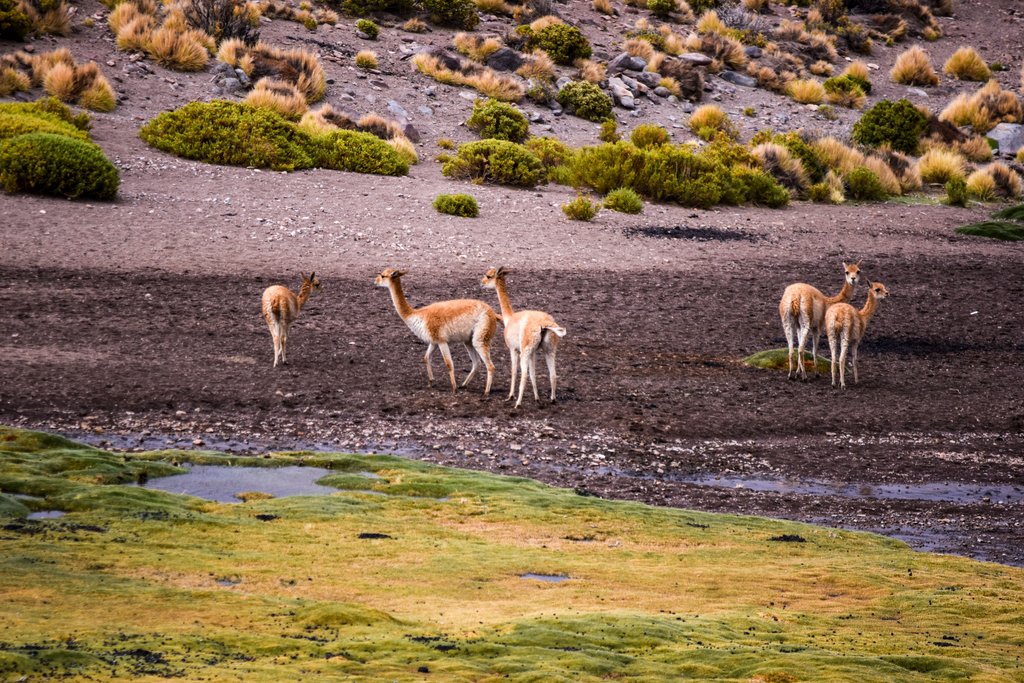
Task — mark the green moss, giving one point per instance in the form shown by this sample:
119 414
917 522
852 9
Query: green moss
580 209
897 123
45 163
498 120
496 161
457 205
1012 213
624 200
369 28
11 507
999 230
586 101
778 359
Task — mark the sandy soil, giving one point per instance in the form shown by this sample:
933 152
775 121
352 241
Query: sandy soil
134 324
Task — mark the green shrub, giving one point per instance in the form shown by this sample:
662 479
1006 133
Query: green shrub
457 13
563 43
758 187
457 205
609 132
580 209
49 105
361 7
45 163
863 184
624 200
798 147
586 101
846 83
551 151
649 135
498 120
237 134
496 161
956 191
899 123
820 193
40 122
662 8
369 28
349 150
14 23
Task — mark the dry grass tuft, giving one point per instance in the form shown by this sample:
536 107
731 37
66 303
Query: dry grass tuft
913 67
638 47
538 65
415 25
858 69
405 149
590 71
545 21
121 15
885 174
485 80
477 48
674 44
380 126
837 156
975 149
709 119
726 50
493 7
60 82
981 186
807 91
984 109
939 165
903 167
1007 180
296 66
12 81
710 23
967 65
821 68
757 6
791 31
42 63
672 85
278 96
655 63
56 20
604 7
99 96
783 166
366 59
180 51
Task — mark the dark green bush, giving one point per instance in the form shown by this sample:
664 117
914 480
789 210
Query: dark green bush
457 205
653 37
820 193
563 43
580 209
608 131
649 135
850 85
498 120
496 161
369 28
662 8
956 192
236 134
759 187
624 200
701 6
898 123
586 101
361 7
551 151
49 105
457 13
45 163
14 23
349 150
863 184
40 122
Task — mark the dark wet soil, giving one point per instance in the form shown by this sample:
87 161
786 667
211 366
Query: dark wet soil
654 402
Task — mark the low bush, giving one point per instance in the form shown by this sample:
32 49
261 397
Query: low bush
14 23
14 124
496 161
609 132
463 205
624 200
981 186
580 209
845 91
956 191
997 230
649 135
662 8
783 165
586 101
278 96
899 124
562 42
455 13
820 193
967 65
498 120
708 120
49 106
913 67
362 7
46 163
863 184
552 152
368 28
366 59
939 165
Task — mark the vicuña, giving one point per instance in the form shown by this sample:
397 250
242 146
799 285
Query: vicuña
845 327
280 307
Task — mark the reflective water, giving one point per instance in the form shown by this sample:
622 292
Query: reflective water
223 484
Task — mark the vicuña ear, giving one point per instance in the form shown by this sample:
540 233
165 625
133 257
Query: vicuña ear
312 275
502 270
398 273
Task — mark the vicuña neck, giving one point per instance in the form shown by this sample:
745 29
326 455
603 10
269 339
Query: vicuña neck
506 303
398 297
869 307
303 296
843 295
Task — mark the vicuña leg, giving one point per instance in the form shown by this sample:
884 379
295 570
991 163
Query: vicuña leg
446 353
855 347
473 359
525 361
515 366
790 334
549 356
426 361
842 361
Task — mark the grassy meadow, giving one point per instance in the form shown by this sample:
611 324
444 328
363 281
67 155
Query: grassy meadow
418 575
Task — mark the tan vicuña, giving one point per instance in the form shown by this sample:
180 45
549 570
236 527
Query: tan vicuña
845 327
280 307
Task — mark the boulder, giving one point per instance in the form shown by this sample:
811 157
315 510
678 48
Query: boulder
1009 137
736 78
626 62
449 60
397 110
410 132
695 58
505 59
753 51
621 93
649 78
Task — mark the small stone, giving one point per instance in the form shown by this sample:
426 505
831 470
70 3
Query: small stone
395 108
737 78
410 132
426 111
696 58
504 59
753 51
662 91
467 95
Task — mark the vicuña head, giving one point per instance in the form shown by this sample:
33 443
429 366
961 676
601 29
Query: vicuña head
852 272
385 277
491 277
878 289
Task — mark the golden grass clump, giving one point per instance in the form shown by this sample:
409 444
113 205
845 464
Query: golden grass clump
725 50
821 68
655 63
638 47
792 31
967 65
672 85
121 15
60 82
903 167
984 109
756 6
1020 156
12 81
366 59
1008 183
538 65
415 25
975 149
382 127
709 119
885 174
981 186
939 165
836 187
297 66
672 42
179 51
914 67
493 7
590 71
54 21
837 156
806 91
135 34
858 68
83 84
543 22
477 48
710 23
42 63
278 96
405 149
823 46
485 80
783 165
604 7
174 19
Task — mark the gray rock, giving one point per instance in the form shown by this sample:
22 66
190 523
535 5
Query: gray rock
631 83
686 106
662 91
505 59
243 78
626 62
916 92
430 91
426 111
696 58
410 132
562 82
363 36
224 69
230 85
468 95
397 109
753 51
535 117
449 60
1008 136
737 78
649 78
621 93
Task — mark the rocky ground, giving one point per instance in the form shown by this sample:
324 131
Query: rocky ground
134 324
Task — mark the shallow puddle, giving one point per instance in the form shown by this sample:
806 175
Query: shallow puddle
46 514
547 578
223 484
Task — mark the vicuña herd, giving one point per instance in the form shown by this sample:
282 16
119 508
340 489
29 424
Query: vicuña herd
804 311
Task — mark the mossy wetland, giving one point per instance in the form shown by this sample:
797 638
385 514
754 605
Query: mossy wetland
435 579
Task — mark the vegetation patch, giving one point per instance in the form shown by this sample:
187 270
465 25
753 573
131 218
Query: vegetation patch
624 200
580 209
899 124
778 359
55 163
457 205
1006 225
563 43
586 100
496 161
498 120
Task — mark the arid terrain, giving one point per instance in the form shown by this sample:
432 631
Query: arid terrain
135 323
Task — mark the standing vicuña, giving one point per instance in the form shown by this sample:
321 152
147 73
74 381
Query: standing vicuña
845 326
802 311
525 332
469 321
280 308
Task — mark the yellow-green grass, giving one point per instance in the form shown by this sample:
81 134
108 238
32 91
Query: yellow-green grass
778 359
135 584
